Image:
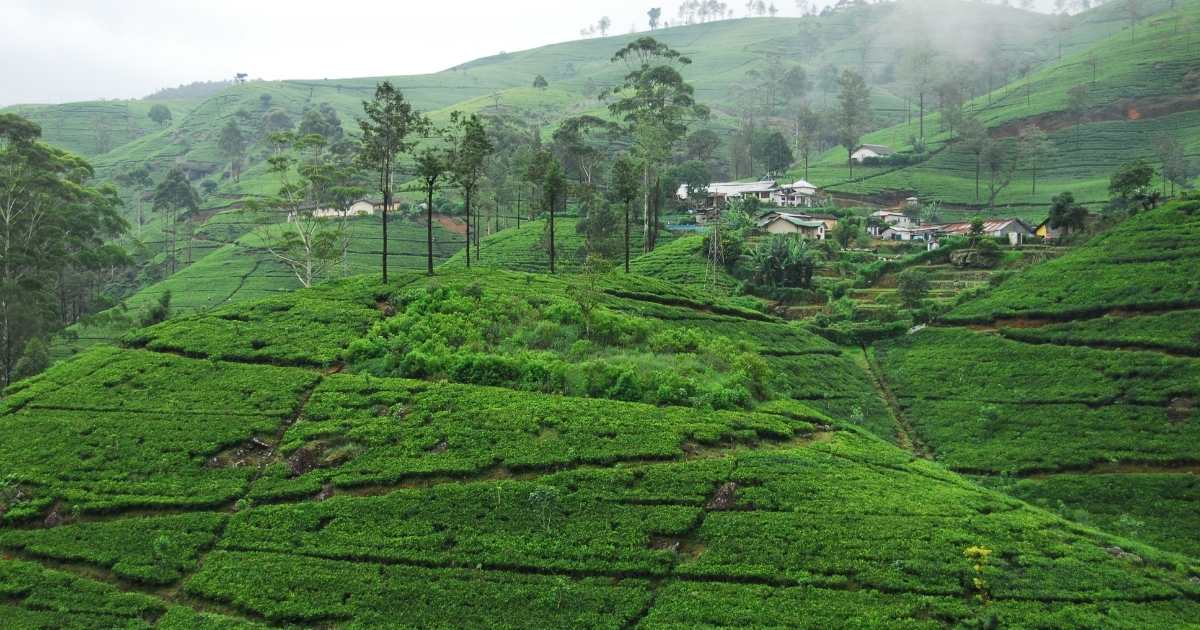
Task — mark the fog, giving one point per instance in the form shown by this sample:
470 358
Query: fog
70 50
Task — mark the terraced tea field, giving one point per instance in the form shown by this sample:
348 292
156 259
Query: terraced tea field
1076 385
233 459
235 268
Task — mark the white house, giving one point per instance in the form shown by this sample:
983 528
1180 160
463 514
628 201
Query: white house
898 233
798 194
361 208
899 219
795 195
871 151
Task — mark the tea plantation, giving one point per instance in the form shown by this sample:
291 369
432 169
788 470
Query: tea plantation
1075 384
365 455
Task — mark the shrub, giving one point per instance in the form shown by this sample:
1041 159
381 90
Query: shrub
913 286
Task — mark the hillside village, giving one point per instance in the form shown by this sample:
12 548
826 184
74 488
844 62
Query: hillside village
858 315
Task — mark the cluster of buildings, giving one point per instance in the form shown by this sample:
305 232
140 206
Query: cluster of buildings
888 224
897 226
799 194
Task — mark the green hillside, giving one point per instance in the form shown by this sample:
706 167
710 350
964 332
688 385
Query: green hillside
1137 91
722 51
254 473
118 136
683 263
235 267
1073 384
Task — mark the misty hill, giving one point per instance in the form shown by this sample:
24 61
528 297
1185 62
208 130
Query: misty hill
1135 90
722 51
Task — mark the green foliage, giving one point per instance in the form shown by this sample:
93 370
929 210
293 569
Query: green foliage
34 360
55 225
1135 265
69 436
553 342
1066 214
989 368
1160 508
1174 332
35 597
122 545
683 262
159 311
784 261
160 114
914 286
364 430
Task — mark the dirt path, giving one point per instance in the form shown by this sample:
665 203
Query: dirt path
906 435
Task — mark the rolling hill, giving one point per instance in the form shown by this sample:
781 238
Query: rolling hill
1137 91
117 135
265 482
1074 383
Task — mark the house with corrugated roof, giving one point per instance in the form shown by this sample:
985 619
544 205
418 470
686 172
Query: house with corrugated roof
868 151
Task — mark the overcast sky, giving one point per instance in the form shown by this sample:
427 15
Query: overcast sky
69 50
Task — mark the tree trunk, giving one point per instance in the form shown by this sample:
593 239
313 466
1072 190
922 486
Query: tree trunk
387 201
977 167
850 161
646 209
467 197
1034 179
921 111
552 203
657 211
428 228
627 237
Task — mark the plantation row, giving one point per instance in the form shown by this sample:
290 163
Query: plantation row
819 528
310 327
1176 332
564 337
984 403
683 262
1160 508
527 248
989 405
959 364
116 429
34 597
1141 264
359 430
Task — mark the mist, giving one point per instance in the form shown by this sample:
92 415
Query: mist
72 50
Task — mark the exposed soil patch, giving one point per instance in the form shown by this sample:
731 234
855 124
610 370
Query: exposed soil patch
1181 410
725 498
683 547
450 224
55 516
1026 323
253 452
386 307
329 454
303 461
1121 554
1125 109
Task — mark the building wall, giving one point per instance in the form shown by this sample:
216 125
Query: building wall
780 226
